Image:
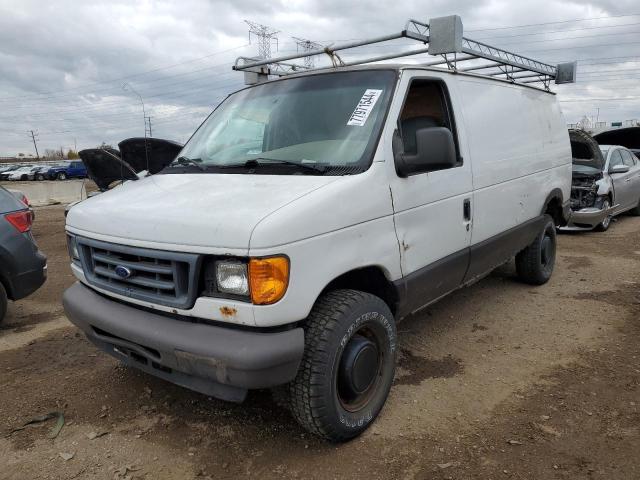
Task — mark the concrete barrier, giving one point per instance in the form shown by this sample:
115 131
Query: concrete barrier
51 192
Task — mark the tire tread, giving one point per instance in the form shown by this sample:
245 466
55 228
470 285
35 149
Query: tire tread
528 261
306 390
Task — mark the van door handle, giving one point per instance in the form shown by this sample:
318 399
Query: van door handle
466 210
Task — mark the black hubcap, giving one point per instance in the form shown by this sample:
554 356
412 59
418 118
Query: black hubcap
358 371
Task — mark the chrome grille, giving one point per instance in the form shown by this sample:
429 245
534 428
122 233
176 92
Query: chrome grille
156 276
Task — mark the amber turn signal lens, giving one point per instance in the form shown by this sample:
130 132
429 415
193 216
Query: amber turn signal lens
268 279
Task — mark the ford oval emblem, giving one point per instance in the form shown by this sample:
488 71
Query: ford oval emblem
123 272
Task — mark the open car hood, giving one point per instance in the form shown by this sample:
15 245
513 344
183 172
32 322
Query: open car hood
627 137
585 150
161 153
105 166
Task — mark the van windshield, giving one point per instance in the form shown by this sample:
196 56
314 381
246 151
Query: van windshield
319 124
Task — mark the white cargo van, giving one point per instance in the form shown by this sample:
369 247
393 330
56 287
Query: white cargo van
309 214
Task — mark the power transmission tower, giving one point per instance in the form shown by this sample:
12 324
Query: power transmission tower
33 137
266 36
147 126
307 46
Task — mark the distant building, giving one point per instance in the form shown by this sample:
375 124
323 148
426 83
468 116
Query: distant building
592 127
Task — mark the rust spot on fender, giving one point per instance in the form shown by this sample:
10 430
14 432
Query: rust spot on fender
228 312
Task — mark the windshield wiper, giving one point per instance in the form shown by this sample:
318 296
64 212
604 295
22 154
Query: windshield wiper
255 162
188 161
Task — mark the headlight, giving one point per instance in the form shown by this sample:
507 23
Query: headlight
72 247
262 280
232 278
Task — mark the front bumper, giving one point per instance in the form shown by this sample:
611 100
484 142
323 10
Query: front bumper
589 217
217 361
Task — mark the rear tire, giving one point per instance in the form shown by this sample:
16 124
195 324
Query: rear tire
604 225
348 365
3 302
62 176
39 177
535 263
635 211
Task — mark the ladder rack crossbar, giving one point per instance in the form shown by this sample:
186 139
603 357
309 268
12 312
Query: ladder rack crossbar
391 56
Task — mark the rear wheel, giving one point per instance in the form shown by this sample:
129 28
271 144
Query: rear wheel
40 177
604 225
535 263
62 176
24 177
348 365
635 210
3 302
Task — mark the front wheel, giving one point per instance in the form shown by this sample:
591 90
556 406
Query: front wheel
39 177
348 365
535 263
604 225
62 176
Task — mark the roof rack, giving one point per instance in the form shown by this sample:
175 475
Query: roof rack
443 38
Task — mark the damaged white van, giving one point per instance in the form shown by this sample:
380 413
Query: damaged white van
310 213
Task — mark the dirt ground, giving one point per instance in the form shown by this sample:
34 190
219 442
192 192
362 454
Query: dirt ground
498 381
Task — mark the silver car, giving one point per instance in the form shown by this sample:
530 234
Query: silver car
604 186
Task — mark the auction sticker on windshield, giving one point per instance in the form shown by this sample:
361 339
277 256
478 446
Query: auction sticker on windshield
364 107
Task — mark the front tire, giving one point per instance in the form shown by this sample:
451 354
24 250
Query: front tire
535 263
62 176
348 365
39 177
604 225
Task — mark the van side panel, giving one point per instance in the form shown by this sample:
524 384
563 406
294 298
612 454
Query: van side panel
520 152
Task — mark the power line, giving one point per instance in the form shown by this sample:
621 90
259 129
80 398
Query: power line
160 102
585 46
612 99
155 80
554 23
571 38
75 110
65 93
118 79
117 103
546 32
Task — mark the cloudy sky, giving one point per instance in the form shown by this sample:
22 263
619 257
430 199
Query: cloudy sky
63 64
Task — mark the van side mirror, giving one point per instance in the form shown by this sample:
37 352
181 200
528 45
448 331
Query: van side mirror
435 150
620 168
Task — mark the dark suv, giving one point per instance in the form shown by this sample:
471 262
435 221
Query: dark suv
23 268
